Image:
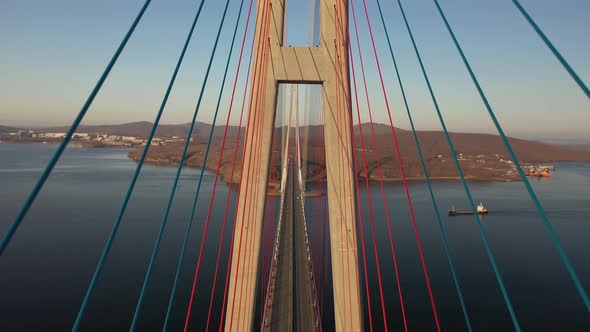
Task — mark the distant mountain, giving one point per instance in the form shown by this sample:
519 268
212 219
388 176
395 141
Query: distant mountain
482 156
143 128
433 143
5 129
577 146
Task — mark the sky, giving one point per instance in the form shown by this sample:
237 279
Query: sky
53 52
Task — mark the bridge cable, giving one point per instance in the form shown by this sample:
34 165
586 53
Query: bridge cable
267 236
177 177
198 190
427 177
140 163
62 146
346 95
358 198
463 181
247 132
404 179
227 201
260 55
535 199
300 183
268 300
322 267
554 50
341 196
368 188
222 150
345 38
383 194
206 227
323 259
341 175
253 209
254 260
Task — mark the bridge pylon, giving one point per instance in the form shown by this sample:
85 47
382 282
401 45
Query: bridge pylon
327 65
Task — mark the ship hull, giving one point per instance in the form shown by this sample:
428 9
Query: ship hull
462 213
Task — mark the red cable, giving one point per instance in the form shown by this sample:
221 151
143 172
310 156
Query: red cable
254 80
344 179
255 127
340 176
197 270
348 102
359 207
341 196
265 234
227 202
373 231
187 319
380 173
323 259
407 191
252 204
348 186
247 215
254 211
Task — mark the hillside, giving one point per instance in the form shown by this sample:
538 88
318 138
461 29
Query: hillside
5 129
483 156
142 129
433 142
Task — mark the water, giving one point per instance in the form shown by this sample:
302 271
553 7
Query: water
45 271
542 294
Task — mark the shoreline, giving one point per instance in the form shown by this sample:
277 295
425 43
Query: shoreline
224 176
133 152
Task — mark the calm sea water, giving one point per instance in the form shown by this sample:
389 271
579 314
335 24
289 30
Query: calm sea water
45 271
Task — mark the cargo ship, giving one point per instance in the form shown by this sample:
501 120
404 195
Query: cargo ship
481 209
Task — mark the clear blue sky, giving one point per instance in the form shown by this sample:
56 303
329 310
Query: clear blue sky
53 52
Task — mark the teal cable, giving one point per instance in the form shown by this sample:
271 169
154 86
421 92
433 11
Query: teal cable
425 170
463 181
558 55
174 186
535 199
62 146
193 211
140 163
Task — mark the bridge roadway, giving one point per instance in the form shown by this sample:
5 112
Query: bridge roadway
292 300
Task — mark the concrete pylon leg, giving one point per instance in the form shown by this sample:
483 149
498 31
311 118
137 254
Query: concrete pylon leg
310 65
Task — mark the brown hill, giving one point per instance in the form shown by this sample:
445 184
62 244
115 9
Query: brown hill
482 156
433 142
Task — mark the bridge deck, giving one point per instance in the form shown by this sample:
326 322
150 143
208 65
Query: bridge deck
292 305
